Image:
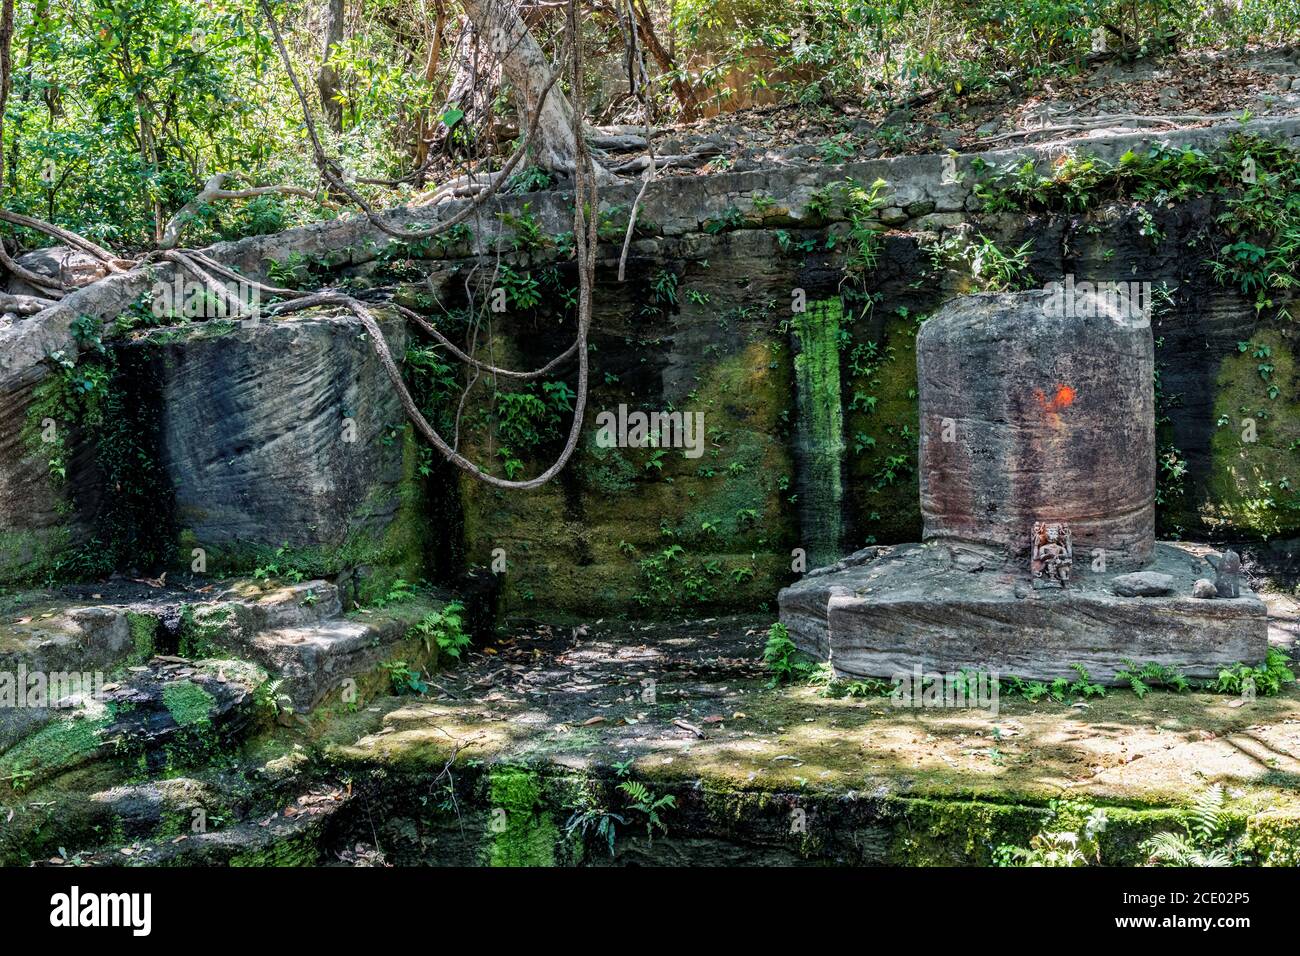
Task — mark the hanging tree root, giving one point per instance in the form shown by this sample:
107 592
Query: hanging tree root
585 243
213 190
206 270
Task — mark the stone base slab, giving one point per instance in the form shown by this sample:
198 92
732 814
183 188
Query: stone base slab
949 607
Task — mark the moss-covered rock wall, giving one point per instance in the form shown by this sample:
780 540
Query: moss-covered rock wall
760 302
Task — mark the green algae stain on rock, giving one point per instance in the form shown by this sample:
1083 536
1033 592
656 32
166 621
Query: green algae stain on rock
880 426
1254 478
819 434
520 830
596 537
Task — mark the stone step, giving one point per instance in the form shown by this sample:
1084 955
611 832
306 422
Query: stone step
292 605
62 637
92 813
296 631
54 639
289 837
339 655
169 710
63 633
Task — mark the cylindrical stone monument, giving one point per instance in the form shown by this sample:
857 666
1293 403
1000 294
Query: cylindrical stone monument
1040 406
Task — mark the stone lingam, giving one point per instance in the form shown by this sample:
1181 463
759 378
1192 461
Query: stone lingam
1037 481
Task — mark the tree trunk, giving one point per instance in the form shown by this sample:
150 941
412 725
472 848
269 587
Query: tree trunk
327 79
422 128
6 41
524 64
472 88
664 60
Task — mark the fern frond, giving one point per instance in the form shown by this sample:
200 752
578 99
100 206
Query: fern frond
1170 849
1207 819
635 790
1214 858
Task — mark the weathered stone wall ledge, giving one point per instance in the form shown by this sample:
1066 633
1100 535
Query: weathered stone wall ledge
674 207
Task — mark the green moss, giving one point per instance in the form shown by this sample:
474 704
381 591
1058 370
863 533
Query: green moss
61 744
144 632
188 703
29 555
950 832
1252 486
820 429
51 398
1274 838
581 543
880 425
522 832
399 552
1127 828
300 850
607 471
200 631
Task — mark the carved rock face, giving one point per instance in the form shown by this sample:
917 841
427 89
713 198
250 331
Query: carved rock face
1051 556
1029 415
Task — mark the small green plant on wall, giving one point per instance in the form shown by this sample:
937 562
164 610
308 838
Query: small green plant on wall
1209 837
783 659
1069 837
445 628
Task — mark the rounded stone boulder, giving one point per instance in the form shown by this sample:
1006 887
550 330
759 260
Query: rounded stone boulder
1142 584
1035 407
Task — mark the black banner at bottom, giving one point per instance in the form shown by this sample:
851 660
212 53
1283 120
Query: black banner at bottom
330 904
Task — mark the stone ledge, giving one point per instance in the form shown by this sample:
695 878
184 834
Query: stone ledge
949 608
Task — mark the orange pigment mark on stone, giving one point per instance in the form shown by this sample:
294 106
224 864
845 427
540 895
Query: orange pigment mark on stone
1063 398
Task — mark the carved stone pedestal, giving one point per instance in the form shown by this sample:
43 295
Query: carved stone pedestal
948 608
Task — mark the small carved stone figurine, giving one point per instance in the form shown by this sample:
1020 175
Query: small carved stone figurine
1227 573
1051 555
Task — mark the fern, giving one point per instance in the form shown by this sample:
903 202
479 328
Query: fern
1072 841
1151 674
783 658
1208 820
446 628
1208 840
1267 679
645 802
